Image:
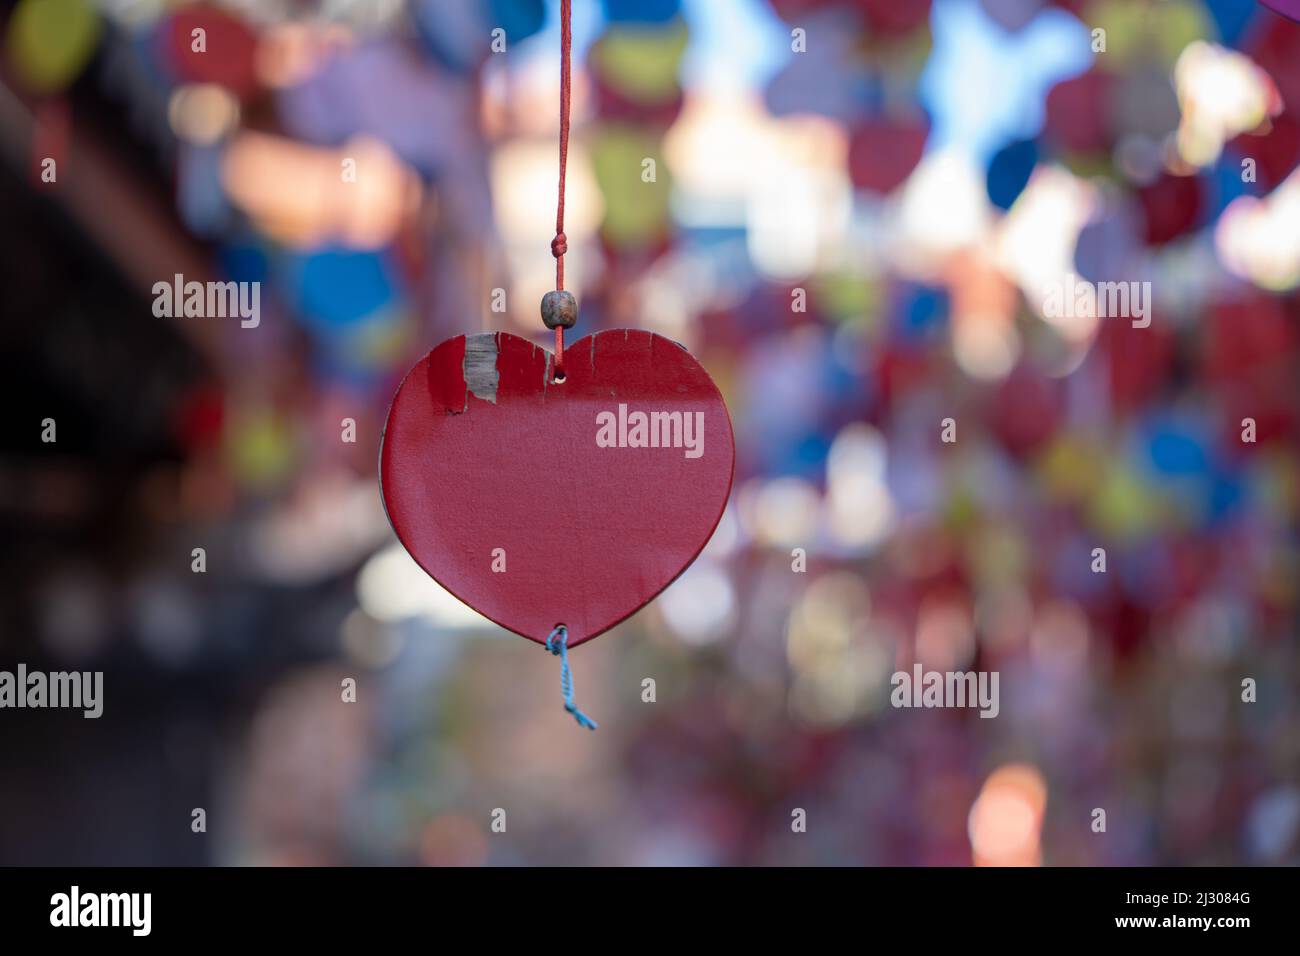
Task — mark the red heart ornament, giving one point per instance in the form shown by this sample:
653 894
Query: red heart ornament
598 490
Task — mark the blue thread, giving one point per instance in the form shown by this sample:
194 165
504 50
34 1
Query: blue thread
560 649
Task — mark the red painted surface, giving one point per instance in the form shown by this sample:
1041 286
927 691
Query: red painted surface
590 534
884 152
229 54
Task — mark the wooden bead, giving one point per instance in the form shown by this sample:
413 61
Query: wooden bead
559 310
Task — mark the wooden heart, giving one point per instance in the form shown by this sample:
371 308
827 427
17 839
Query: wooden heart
540 502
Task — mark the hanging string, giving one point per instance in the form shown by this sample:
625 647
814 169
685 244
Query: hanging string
560 244
557 644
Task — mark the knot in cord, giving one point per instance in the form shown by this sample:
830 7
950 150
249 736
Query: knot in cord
557 644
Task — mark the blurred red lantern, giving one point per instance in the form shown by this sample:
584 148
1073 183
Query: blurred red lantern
892 17
1078 118
1137 359
200 417
1246 336
1173 206
613 105
1275 149
1026 409
1277 50
883 152
207 45
791 10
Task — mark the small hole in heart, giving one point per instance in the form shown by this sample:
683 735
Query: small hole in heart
559 378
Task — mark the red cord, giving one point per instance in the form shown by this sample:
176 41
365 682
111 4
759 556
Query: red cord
559 245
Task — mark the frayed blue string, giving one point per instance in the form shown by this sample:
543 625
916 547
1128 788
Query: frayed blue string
557 644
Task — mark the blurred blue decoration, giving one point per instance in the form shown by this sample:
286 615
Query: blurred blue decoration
1226 183
1071 571
641 11
455 32
1009 171
1227 494
357 359
1108 244
1177 447
1012 15
339 287
829 83
243 262
1144 572
984 86
1233 19
789 384
735 44
519 18
725 251
458 33
200 198
923 313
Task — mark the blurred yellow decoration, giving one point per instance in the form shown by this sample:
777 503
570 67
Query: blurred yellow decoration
1070 469
1277 580
635 210
998 554
1279 486
1124 508
49 42
1088 165
261 448
641 64
961 510
1143 32
382 339
848 297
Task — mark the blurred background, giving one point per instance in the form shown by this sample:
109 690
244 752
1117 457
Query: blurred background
856 241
